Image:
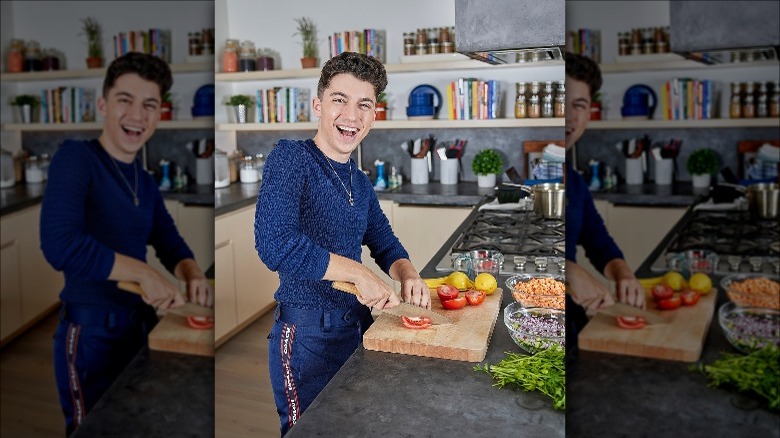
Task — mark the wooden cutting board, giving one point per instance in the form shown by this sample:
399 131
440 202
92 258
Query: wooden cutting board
173 333
682 339
466 339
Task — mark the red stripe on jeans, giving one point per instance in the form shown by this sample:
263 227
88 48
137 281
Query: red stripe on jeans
293 406
77 396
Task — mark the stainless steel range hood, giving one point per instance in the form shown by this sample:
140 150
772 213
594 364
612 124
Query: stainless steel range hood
715 32
510 31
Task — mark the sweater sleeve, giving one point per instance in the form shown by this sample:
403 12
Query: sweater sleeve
278 239
168 244
381 241
599 246
65 243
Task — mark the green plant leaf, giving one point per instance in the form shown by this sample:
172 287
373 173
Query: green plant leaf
487 161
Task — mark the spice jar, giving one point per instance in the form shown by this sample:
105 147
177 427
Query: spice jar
248 172
265 60
520 101
246 57
559 109
408 44
33 173
735 103
32 57
623 46
762 103
14 61
774 102
748 102
230 57
547 100
259 164
50 60
444 35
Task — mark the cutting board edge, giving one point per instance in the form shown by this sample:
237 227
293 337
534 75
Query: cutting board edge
436 352
172 347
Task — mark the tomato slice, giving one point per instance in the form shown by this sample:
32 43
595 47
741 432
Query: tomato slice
447 292
416 322
669 303
200 322
455 303
689 297
662 292
631 322
475 297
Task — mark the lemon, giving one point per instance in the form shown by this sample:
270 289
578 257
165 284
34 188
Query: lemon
459 280
701 282
674 279
486 283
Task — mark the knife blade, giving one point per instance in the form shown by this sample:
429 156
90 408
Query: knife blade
403 309
620 309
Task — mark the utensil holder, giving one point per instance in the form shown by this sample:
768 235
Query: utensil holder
664 169
449 171
204 171
419 171
634 173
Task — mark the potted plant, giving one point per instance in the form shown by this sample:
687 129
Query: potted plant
701 165
240 104
486 164
308 33
166 107
27 105
94 32
381 106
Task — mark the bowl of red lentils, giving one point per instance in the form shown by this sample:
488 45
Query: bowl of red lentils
538 290
753 290
535 328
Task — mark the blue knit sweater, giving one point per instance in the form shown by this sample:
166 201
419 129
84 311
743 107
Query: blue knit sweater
303 213
584 225
88 214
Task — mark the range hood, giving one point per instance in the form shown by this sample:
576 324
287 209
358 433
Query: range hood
716 32
511 31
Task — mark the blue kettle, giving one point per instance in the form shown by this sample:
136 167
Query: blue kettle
421 102
639 101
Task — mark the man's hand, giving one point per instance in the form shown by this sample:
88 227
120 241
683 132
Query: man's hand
159 292
375 293
413 288
199 290
585 289
628 288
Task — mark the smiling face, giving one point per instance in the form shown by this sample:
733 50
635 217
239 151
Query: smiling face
131 111
346 113
577 109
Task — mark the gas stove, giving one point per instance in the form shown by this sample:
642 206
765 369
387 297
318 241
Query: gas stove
528 242
724 242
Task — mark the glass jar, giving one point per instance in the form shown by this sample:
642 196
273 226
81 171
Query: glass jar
246 56
33 174
44 162
547 100
408 44
534 102
14 61
32 57
230 57
623 46
735 103
265 60
421 37
748 102
259 164
762 103
774 102
444 35
50 60
248 171
559 107
520 101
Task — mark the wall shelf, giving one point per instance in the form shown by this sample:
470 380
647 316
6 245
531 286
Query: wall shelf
97 126
678 64
558 122
683 124
36 76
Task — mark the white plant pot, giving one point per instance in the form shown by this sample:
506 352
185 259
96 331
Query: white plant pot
701 181
488 180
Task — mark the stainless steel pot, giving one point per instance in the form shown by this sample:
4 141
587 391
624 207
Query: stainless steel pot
763 199
549 200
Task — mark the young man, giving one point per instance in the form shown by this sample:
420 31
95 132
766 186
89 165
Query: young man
99 211
315 210
584 226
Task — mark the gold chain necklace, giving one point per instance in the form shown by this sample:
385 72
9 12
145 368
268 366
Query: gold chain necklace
135 170
349 192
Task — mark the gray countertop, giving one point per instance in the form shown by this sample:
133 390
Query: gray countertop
158 395
651 195
612 395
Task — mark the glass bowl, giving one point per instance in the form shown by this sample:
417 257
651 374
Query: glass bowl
535 328
753 290
749 328
522 287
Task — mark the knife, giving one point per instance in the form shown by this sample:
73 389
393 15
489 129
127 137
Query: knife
188 307
620 309
403 309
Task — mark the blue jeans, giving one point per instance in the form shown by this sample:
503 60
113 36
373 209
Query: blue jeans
305 350
92 345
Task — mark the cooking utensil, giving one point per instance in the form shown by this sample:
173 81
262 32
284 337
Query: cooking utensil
403 309
441 152
620 309
549 200
763 199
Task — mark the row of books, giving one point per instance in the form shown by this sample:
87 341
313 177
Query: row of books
369 42
156 42
68 105
586 42
283 105
688 99
470 98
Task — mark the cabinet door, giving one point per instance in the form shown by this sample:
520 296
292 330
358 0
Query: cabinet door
638 230
196 226
10 287
41 284
387 209
423 229
224 281
255 283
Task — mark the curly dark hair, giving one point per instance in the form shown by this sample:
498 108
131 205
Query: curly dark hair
584 69
146 66
363 67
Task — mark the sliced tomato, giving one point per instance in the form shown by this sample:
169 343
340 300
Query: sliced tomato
475 297
454 304
200 322
669 303
416 322
689 297
662 292
631 322
447 292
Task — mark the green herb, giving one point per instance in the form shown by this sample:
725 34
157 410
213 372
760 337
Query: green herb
239 99
307 30
544 371
92 29
25 99
702 162
487 161
758 372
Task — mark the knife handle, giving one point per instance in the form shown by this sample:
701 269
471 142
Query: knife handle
346 287
129 286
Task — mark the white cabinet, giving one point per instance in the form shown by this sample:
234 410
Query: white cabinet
224 286
10 287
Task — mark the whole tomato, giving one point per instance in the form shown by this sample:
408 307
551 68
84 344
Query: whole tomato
454 304
662 292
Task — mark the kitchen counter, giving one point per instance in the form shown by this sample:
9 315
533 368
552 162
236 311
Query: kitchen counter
612 395
158 395
386 394
21 196
651 195
238 195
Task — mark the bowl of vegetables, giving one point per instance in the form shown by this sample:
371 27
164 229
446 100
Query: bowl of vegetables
749 328
535 328
753 290
538 290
